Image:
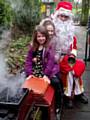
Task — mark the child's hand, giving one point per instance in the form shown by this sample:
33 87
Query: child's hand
34 59
30 76
46 79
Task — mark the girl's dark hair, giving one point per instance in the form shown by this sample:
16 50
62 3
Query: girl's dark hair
42 30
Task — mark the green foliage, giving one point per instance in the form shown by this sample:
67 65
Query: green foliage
16 53
23 15
28 14
6 14
85 12
1 12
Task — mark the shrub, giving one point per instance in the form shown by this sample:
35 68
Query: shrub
16 54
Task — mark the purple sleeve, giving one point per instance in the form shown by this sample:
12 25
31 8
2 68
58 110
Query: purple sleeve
49 63
28 63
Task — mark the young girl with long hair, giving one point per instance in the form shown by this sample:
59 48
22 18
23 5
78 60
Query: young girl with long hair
40 61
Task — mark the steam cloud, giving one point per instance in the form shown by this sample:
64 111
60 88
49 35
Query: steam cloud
13 82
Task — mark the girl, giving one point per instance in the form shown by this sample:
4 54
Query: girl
53 39
49 25
40 61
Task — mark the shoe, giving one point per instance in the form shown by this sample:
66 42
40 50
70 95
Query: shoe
69 104
58 114
83 99
88 59
57 110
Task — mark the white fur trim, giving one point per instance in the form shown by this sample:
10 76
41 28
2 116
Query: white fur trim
74 52
78 88
64 12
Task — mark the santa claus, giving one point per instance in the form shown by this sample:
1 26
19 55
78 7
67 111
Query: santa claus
62 19
71 67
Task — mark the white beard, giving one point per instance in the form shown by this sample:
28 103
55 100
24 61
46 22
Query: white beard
65 33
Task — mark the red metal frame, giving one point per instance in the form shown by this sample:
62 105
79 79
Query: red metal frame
46 100
26 105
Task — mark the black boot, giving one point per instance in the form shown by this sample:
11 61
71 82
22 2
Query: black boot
83 99
88 59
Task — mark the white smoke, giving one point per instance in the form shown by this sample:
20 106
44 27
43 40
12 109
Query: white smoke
3 72
13 82
5 37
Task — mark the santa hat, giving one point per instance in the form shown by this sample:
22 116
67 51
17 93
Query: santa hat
65 8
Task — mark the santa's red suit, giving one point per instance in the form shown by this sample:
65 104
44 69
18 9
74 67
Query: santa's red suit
68 74
67 45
